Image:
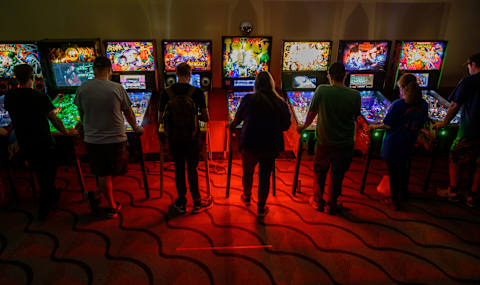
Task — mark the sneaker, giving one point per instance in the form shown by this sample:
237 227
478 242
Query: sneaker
449 194
262 212
331 210
245 200
113 212
473 200
319 206
202 206
93 203
181 209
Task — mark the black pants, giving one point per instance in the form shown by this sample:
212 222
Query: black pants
339 160
265 167
398 176
44 165
186 153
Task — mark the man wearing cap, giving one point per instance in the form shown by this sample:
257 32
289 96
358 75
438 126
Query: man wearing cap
102 105
466 147
337 108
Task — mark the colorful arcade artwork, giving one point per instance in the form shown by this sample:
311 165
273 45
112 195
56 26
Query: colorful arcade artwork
139 106
365 55
422 79
234 99
66 111
245 57
421 55
306 56
374 107
4 116
14 54
71 54
196 54
131 56
72 65
300 101
438 108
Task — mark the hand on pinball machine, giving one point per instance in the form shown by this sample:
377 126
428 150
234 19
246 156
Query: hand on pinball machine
72 132
439 125
139 130
300 128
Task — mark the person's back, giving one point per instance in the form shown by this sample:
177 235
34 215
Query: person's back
29 110
103 102
467 94
265 118
337 108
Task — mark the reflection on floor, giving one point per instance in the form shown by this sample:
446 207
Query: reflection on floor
432 241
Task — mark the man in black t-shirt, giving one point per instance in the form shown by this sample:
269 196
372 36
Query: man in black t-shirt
30 112
184 149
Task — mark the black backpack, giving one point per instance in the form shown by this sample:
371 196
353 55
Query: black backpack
181 116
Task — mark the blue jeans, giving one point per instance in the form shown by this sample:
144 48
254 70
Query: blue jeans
336 158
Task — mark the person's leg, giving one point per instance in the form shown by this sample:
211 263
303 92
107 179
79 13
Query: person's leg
340 164
105 186
192 158
248 165
321 164
473 199
457 158
265 167
179 161
395 177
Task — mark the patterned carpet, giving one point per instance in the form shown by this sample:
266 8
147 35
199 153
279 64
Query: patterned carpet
432 241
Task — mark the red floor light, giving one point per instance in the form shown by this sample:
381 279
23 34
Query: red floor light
224 247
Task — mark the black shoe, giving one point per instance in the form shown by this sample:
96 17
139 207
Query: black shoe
113 212
332 209
262 212
473 200
245 200
93 203
319 206
202 206
181 209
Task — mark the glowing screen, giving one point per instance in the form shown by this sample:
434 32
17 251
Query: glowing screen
300 101
374 106
66 111
364 55
361 81
245 57
234 99
422 79
196 54
421 55
306 56
131 56
4 117
304 81
133 81
139 106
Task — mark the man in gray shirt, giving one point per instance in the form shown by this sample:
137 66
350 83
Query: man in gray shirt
102 105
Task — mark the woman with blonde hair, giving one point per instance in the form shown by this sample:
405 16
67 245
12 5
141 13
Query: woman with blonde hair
404 120
265 116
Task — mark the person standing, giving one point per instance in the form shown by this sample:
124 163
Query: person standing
30 111
466 147
403 122
102 105
265 116
337 108
180 105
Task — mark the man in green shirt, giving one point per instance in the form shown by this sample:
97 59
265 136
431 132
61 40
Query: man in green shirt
337 108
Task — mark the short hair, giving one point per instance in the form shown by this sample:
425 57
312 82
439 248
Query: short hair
474 58
23 72
337 71
102 63
183 70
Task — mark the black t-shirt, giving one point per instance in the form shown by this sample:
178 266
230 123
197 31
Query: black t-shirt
29 110
182 88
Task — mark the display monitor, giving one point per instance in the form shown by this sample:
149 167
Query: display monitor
196 53
300 101
234 99
374 106
131 56
12 54
304 82
73 73
4 117
421 55
133 81
422 79
140 103
361 81
66 111
245 57
306 56
364 55
195 80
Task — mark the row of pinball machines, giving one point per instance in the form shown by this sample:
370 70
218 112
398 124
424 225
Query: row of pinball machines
304 67
61 66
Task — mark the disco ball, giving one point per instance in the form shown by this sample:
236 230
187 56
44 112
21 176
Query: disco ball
246 27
